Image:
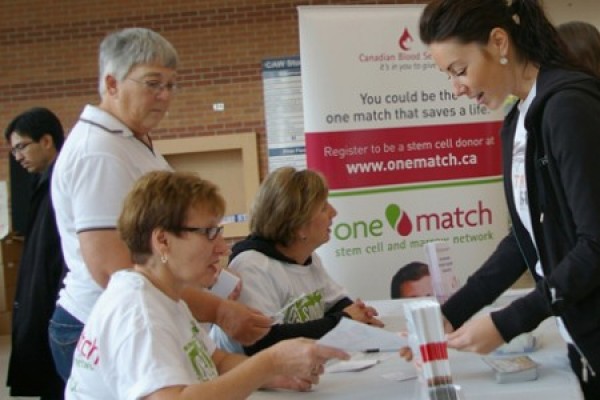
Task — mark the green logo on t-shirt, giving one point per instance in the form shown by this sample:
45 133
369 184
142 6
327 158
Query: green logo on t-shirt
305 308
197 353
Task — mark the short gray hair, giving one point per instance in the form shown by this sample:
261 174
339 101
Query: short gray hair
122 50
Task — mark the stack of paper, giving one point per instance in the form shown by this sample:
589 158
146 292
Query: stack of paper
441 268
524 343
428 340
514 369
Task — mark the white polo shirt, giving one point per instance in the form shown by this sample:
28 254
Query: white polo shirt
96 168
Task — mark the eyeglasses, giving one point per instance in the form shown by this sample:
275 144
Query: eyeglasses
19 148
211 233
157 87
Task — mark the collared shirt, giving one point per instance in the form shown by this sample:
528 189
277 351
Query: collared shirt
97 166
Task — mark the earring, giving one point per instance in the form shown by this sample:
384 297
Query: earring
163 258
503 60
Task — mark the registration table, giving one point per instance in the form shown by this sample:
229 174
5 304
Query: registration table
475 378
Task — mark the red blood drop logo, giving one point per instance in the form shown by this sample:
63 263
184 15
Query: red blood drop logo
404 227
405 40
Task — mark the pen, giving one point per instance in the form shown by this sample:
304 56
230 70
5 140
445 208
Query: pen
380 350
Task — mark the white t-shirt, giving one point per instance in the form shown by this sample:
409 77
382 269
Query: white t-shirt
519 183
96 168
269 285
519 178
138 340
289 293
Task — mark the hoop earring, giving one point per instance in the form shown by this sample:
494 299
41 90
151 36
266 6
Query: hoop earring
163 259
503 60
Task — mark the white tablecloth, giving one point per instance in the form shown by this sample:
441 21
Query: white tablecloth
476 379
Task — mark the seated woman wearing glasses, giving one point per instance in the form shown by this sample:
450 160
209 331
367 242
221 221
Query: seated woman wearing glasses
283 276
141 341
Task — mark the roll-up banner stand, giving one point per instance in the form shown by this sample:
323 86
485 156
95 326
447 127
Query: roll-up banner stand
406 160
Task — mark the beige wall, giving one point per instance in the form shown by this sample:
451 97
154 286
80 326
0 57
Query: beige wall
568 10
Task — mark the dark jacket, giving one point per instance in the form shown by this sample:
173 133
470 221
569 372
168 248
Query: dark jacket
31 369
562 165
311 329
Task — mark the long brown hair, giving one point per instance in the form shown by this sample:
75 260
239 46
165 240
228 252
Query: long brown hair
583 41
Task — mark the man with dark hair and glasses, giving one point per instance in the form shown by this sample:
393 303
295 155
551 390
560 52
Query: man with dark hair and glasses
106 151
35 138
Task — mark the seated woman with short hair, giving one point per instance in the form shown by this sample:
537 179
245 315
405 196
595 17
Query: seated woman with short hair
282 275
141 340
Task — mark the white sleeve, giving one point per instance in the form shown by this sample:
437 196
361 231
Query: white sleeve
98 189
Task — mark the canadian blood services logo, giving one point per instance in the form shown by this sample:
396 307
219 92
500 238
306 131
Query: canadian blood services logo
405 40
398 219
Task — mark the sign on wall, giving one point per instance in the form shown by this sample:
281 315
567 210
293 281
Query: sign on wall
282 88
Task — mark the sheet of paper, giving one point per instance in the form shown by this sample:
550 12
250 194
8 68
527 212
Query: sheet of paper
225 284
350 335
350 366
400 375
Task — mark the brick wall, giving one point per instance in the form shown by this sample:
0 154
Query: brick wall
48 57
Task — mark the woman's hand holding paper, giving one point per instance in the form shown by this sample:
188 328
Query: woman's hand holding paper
478 335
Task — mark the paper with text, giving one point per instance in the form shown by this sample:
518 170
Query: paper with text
350 335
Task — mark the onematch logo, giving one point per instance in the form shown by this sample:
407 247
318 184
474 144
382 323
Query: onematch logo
398 219
404 224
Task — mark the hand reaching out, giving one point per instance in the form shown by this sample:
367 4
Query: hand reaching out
448 328
300 362
359 311
244 324
478 335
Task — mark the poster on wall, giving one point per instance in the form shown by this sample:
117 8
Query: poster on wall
407 161
282 88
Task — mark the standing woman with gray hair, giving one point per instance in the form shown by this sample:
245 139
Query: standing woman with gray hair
107 150
491 49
